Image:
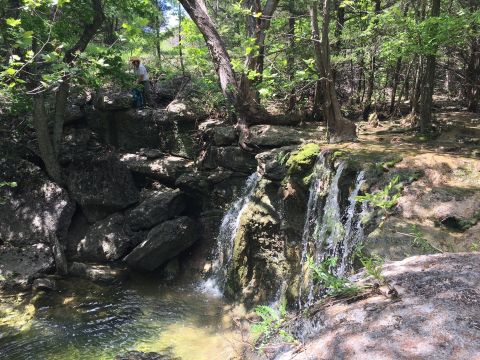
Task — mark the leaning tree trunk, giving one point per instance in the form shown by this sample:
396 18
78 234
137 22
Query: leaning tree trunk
429 81
248 110
338 128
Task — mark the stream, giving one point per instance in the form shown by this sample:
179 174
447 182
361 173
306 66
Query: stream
85 320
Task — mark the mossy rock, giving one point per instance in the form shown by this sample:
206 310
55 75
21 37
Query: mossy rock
303 158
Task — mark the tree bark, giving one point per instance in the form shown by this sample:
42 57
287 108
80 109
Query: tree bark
472 87
290 54
255 60
429 81
396 78
367 106
338 128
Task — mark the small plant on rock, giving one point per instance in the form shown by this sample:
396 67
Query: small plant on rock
336 286
270 324
385 199
372 263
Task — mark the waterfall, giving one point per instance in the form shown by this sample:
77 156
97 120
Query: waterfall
223 252
327 231
353 229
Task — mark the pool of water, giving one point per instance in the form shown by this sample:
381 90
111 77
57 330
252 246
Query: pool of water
84 320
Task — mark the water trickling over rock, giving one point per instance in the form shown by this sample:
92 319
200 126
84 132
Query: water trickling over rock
330 230
223 252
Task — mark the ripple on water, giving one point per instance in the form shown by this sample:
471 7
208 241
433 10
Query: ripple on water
92 322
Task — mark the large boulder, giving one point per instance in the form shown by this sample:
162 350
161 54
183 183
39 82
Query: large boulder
274 135
101 186
272 163
166 169
94 272
435 315
229 157
164 242
26 261
159 207
35 210
106 240
114 101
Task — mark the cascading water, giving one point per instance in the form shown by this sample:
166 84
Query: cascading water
327 231
353 229
223 253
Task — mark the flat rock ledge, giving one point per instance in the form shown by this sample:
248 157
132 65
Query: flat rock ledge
436 316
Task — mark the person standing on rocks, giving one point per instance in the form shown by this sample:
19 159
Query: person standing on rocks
143 79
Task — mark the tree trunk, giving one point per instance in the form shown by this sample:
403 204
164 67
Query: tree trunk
473 76
367 106
291 56
256 29
338 128
429 81
180 46
396 78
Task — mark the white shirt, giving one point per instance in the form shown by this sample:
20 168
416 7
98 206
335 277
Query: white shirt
141 71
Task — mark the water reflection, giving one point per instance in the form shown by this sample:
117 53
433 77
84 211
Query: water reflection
83 320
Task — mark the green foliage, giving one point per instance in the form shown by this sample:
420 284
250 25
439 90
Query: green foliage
372 263
386 198
334 285
270 324
419 241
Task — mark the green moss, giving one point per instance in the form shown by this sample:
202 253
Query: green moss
302 158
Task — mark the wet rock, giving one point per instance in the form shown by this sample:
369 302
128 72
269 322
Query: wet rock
36 209
435 311
137 355
101 186
164 242
159 207
106 240
44 284
101 273
229 157
166 169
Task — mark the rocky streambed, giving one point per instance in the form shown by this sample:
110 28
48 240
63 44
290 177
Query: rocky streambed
155 191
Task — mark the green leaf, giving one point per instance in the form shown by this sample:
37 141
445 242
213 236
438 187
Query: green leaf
13 22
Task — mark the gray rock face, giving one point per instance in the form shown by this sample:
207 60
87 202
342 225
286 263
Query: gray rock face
44 284
230 157
26 261
33 211
224 135
436 311
185 110
166 169
112 101
101 187
100 273
270 164
164 242
274 136
105 240
156 209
